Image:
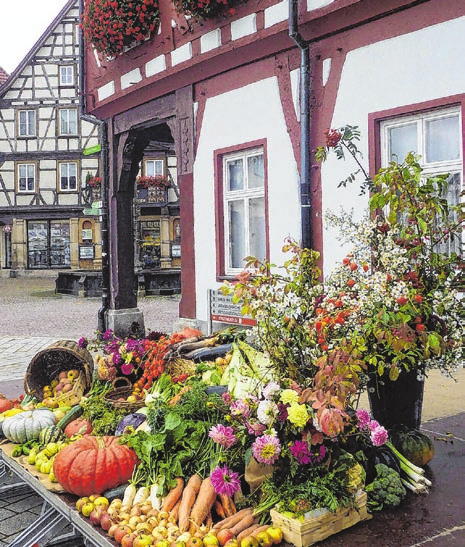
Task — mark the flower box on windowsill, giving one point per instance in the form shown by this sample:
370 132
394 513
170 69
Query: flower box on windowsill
320 523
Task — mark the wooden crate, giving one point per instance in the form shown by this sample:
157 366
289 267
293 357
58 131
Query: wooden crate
318 528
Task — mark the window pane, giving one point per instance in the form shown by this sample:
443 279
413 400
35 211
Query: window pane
255 167
257 227
72 122
402 140
63 121
236 217
31 122
235 174
153 168
72 176
442 139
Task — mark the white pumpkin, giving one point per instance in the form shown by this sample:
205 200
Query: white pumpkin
27 425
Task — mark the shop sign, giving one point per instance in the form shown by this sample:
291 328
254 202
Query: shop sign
92 150
86 252
224 310
7 228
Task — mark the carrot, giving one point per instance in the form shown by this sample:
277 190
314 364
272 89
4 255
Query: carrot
204 502
231 521
209 520
248 531
243 524
187 501
174 513
228 505
219 509
173 495
175 400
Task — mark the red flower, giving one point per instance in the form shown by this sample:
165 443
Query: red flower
418 298
351 283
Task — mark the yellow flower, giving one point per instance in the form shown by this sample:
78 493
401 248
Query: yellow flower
298 415
289 396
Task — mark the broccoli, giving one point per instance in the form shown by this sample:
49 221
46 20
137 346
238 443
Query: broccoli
387 490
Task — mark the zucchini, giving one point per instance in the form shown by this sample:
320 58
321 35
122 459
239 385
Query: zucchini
115 493
76 412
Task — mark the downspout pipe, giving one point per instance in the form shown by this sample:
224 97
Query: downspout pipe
103 138
305 166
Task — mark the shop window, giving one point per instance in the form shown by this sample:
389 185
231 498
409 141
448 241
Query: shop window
149 244
48 244
67 75
27 123
153 168
68 176
87 232
243 204
68 121
436 137
26 177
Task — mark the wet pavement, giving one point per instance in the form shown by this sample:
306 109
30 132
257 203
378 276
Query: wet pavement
433 520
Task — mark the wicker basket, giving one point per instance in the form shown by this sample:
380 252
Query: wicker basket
48 363
123 392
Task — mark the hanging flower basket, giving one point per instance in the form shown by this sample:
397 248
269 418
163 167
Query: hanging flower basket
159 181
95 185
206 9
113 26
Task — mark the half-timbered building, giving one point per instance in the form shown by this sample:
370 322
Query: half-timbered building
244 99
46 210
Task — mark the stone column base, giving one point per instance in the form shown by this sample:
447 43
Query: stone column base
121 321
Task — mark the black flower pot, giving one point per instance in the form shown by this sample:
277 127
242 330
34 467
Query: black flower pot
397 402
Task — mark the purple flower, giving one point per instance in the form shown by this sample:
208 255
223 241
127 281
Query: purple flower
226 398
282 413
116 358
363 418
83 342
127 368
224 481
108 334
266 449
255 428
373 424
378 436
321 455
240 408
222 435
300 452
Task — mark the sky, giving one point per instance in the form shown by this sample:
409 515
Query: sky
15 42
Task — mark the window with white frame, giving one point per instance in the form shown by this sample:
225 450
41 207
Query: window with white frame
67 75
26 177
68 176
436 136
154 168
244 208
27 123
68 121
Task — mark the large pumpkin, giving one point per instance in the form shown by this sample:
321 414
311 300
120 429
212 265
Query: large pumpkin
92 465
80 425
413 445
27 425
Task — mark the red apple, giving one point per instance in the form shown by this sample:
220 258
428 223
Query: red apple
128 540
105 522
121 531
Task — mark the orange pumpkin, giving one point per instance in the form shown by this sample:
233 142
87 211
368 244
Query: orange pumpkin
93 465
5 404
80 425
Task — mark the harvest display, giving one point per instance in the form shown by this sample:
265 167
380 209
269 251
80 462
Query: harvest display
196 441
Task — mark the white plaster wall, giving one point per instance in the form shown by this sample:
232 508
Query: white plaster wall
405 70
247 114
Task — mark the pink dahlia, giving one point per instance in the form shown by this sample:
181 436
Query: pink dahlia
224 481
240 408
255 428
299 450
222 435
379 435
266 449
363 418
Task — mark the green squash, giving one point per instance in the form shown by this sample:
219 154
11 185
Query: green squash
27 425
50 434
413 445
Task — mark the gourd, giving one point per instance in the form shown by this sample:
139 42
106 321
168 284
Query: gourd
79 426
27 425
50 434
92 465
413 445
